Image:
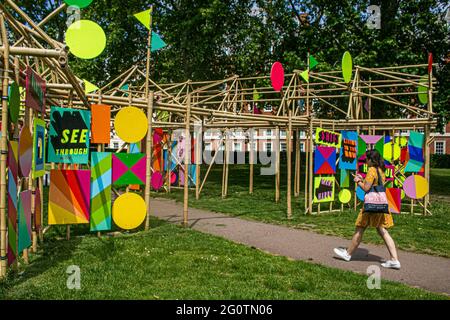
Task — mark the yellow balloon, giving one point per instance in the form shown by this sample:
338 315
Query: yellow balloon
86 39
129 211
345 196
131 124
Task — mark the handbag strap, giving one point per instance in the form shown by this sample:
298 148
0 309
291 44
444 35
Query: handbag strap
379 180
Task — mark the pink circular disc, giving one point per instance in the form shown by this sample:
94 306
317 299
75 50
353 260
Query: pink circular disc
277 76
173 178
157 180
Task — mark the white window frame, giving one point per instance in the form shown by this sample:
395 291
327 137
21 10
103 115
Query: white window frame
283 146
302 146
443 147
237 144
268 144
208 146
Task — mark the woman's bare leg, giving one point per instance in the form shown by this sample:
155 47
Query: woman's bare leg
356 240
390 244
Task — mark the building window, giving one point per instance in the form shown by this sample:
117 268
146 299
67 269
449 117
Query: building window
115 145
237 147
253 146
302 134
268 132
268 146
302 147
283 146
439 147
208 146
283 134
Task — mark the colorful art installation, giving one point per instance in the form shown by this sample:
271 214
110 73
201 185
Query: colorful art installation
68 138
362 147
277 76
371 139
69 197
423 90
37 209
389 172
128 168
14 102
127 132
312 62
85 39
363 168
25 152
415 187
415 152
345 196
24 220
394 200
328 138
129 211
349 150
347 67
157 180
101 181
323 189
173 178
344 180
38 162
35 91
13 174
325 160
100 124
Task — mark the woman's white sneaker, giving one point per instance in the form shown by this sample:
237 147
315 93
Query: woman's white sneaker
391 264
342 253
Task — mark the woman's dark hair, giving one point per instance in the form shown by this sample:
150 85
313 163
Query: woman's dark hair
374 159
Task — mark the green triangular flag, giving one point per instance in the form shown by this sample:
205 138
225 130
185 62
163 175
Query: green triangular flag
144 17
256 95
89 87
157 42
312 62
125 87
305 75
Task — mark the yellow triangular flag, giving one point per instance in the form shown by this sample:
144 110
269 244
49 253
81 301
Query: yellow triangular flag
145 17
89 87
305 75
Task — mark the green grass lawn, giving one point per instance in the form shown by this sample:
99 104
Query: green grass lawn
413 233
171 262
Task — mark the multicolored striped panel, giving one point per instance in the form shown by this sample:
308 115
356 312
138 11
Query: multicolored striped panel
13 168
69 197
24 221
101 180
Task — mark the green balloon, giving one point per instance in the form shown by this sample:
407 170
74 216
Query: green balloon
347 67
14 102
78 3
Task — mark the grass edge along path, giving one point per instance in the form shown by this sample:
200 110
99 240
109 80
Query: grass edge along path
170 262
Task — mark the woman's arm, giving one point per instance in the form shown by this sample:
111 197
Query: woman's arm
366 184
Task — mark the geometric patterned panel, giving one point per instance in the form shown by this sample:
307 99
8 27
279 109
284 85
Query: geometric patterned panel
325 160
128 169
69 197
101 179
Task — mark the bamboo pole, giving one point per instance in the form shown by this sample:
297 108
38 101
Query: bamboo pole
198 161
148 149
186 162
4 150
251 157
289 164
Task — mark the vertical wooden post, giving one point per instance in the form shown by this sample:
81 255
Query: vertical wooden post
296 171
251 157
307 164
427 159
169 162
186 161
4 149
277 164
310 169
289 163
148 150
198 161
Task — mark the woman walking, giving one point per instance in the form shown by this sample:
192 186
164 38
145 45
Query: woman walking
381 221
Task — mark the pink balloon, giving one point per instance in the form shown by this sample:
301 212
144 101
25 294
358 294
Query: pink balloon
157 180
277 76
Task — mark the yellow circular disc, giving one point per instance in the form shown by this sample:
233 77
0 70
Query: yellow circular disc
345 196
387 151
131 124
129 211
402 194
86 39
